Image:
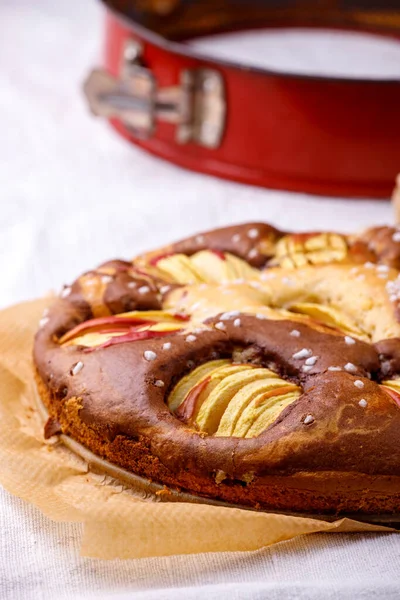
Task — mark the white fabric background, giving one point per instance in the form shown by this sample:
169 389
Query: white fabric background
73 194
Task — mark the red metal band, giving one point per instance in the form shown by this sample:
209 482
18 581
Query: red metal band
325 136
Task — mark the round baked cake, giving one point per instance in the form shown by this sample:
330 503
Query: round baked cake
244 364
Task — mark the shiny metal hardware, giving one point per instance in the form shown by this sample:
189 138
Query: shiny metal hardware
197 105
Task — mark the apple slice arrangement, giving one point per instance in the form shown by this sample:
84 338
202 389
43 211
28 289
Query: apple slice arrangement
228 399
392 387
205 266
126 327
302 249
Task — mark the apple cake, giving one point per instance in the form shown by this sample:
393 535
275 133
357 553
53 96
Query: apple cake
246 364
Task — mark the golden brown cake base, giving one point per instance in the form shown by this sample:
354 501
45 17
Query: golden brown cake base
312 492
175 494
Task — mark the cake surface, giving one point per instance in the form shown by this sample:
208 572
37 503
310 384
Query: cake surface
244 364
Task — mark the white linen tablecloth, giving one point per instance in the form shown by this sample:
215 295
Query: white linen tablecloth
73 194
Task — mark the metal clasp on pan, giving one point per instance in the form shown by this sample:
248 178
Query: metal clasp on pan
197 105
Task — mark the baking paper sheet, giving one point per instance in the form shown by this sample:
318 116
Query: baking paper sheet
118 522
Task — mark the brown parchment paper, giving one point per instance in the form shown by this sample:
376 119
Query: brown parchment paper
118 522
